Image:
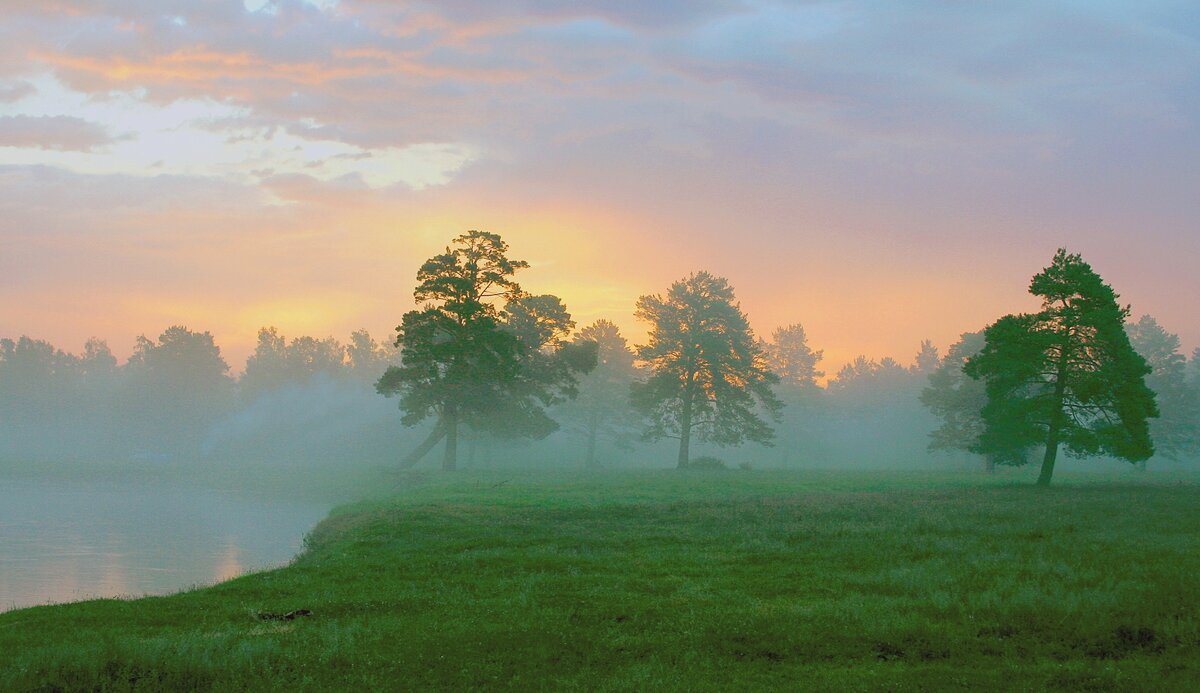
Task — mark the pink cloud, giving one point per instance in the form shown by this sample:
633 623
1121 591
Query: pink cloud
63 133
15 91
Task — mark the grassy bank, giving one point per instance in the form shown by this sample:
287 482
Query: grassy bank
670 580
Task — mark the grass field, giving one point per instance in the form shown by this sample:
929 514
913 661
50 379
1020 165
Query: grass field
666 580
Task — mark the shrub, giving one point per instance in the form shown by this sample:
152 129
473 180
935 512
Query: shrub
706 462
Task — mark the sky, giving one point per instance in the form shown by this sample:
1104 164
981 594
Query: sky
880 172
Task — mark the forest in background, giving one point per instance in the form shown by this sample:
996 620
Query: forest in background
312 401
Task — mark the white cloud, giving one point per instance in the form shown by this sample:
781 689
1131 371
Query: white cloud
186 137
272 6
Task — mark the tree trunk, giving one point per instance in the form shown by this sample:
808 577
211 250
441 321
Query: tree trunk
1056 416
989 464
472 447
1140 465
450 459
593 424
685 428
434 437
1048 460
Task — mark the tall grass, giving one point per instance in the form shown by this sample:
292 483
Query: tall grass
730 580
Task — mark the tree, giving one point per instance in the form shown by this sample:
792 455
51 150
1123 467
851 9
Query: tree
36 379
959 401
367 358
30 363
707 372
550 366
98 361
181 360
179 385
267 368
790 357
927 359
276 363
308 356
873 412
602 407
1175 431
1066 375
867 379
464 361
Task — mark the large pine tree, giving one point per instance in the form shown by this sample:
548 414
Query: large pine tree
1065 375
708 374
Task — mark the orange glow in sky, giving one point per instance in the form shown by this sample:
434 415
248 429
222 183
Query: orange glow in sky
232 165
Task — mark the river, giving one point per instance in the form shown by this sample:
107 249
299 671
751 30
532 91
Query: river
67 541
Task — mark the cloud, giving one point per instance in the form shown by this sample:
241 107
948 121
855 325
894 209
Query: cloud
15 91
881 78
662 14
63 133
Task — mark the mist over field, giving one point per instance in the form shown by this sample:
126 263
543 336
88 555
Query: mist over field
304 402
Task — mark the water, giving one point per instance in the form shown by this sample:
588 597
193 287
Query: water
65 541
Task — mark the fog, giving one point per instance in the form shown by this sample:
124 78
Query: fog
306 403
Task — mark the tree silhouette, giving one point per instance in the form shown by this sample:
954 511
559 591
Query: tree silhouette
368 359
708 374
179 386
276 362
1175 431
927 359
958 401
463 361
1066 375
602 407
790 357
549 368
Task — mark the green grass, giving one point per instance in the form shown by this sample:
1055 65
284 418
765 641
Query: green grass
724 580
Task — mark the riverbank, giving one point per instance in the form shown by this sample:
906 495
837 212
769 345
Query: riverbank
677 580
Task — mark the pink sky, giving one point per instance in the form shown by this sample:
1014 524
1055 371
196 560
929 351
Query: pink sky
878 175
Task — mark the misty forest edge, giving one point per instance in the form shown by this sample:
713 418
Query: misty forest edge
482 356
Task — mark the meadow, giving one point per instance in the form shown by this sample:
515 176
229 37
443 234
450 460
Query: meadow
735 580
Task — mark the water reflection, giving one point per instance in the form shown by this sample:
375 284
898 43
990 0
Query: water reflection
229 567
69 541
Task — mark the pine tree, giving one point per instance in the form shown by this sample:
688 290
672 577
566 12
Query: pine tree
708 374
1066 375
602 408
1175 431
792 359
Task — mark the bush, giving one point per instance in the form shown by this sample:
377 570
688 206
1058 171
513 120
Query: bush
707 463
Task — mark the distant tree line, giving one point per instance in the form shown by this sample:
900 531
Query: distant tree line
483 362
168 399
